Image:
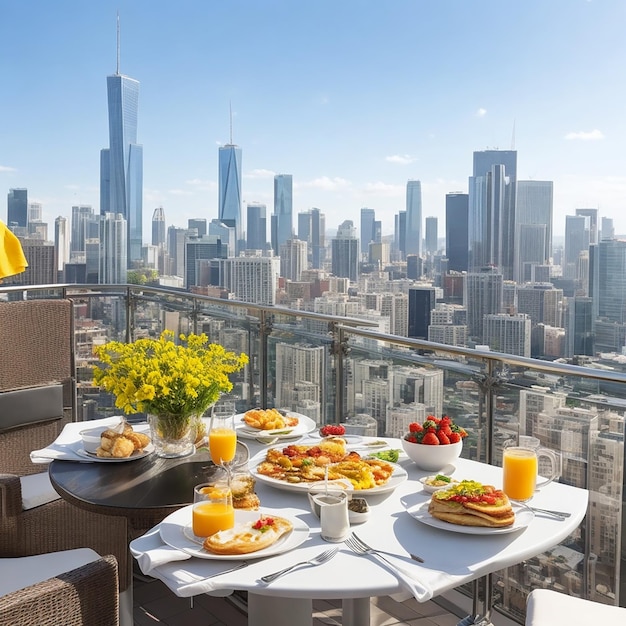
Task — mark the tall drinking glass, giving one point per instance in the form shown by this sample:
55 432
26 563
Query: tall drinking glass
212 508
222 439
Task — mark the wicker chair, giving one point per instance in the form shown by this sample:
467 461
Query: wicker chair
35 350
81 593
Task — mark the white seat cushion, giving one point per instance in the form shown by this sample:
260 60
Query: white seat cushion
20 572
37 490
548 608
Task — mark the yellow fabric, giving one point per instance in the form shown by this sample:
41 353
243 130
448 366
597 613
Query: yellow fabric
12 259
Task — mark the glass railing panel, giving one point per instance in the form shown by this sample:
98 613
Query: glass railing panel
582 419
301 368
98 318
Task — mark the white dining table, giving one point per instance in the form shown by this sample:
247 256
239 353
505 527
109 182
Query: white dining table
451 558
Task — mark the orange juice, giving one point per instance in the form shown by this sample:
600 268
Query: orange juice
222 444
519 467
209 517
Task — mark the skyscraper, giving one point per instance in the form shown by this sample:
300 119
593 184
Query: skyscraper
534 208
113 247
84 226
61 245
368 217
413 242
492 206
158 227
318 238
229 189
456 231
17 208
345 252
283 210
592 214
121 164
431 235
576 241
482 296
421 302
256 226
199 225
293 259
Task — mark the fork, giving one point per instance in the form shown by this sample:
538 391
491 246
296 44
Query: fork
316 560
419 559
357 546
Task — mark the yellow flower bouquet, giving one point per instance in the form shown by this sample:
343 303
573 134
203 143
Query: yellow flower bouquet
173 381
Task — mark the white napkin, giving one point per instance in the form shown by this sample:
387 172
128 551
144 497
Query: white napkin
192 579
66 446
415 587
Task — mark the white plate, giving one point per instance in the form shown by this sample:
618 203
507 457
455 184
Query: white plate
398 477
304 426
523 517
175 531
349 439
100 459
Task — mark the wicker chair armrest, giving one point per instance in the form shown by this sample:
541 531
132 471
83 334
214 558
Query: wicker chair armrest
10 495
87 595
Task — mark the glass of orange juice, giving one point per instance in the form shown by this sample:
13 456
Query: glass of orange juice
212 508
519 471
222 439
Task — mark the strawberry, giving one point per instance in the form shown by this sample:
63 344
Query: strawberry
454 437
414 427
443 438
430 439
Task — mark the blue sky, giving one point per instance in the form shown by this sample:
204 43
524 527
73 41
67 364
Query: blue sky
353 98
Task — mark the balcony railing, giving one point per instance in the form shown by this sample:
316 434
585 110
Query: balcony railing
337 369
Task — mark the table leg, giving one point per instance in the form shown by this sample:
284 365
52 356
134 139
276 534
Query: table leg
355 612
273 611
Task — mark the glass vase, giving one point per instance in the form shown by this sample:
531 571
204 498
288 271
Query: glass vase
173 436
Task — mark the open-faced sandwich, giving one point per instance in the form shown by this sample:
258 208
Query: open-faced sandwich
249 536
470 503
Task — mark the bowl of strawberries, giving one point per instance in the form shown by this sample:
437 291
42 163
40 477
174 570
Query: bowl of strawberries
434 444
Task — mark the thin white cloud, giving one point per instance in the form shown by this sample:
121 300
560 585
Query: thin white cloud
180 192
384 190
260 173
481 112
6 168
591 135
326 184
402 159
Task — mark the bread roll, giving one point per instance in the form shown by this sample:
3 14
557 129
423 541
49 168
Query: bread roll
248 537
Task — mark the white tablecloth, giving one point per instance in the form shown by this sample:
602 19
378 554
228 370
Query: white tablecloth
450 558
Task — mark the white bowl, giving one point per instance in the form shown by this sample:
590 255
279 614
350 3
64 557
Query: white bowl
91 438
432 458
430 488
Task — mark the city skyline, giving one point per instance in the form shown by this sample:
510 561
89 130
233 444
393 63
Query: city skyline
351 107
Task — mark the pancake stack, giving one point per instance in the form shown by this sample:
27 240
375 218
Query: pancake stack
470 503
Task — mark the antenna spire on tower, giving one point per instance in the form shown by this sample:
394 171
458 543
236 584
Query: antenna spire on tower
117 70
230 111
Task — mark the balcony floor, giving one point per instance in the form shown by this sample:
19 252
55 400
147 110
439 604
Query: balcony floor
154 604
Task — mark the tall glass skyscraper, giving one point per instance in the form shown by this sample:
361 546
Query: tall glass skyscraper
158 227
121 164
229 188
492 206
413 242
17 208
283 210
256 226
368 218
456 231
533 210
